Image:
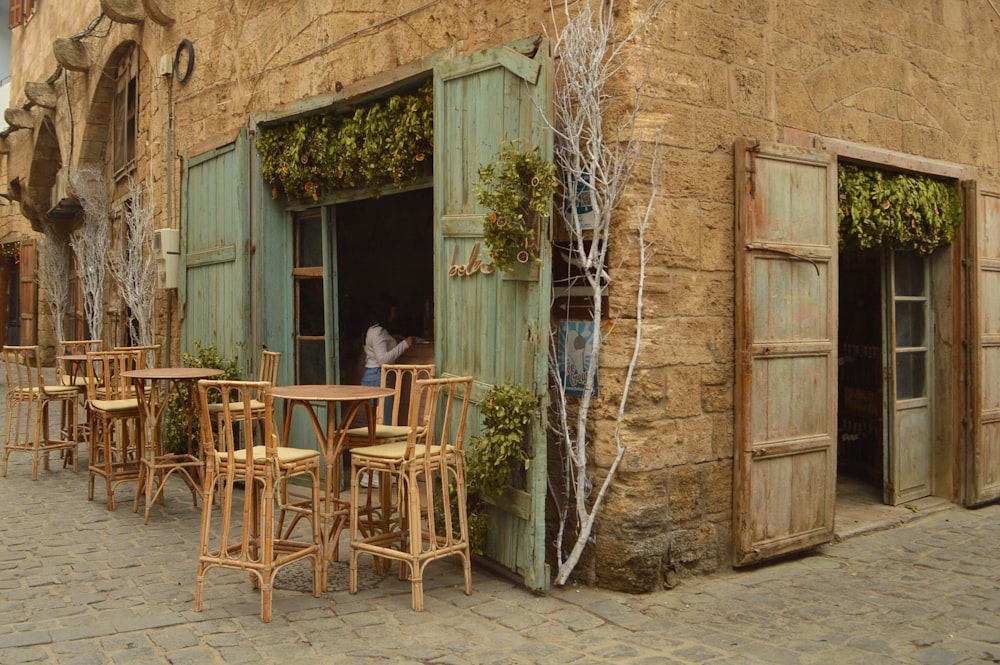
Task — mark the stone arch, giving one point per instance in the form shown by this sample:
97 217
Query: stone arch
46 160
98 128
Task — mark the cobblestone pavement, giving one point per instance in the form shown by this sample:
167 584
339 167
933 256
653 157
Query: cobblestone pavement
80 585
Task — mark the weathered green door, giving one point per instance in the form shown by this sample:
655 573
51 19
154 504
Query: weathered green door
786 341
214 275
487 325
982 205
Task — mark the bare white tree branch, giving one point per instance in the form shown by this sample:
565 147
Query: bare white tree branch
90 243
53 276
591 56
132 265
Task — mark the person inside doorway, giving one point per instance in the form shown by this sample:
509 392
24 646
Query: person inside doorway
381 346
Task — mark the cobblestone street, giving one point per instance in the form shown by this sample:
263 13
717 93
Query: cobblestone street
81 585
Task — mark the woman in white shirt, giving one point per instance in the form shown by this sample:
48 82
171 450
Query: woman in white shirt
381 347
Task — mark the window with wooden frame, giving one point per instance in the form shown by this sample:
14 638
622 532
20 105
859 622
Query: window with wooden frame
21 11
310 308
126 104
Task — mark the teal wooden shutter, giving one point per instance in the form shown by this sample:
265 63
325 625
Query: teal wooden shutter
785 464
493 328
214 281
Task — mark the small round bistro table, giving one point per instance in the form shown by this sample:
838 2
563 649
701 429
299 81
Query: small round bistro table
156 466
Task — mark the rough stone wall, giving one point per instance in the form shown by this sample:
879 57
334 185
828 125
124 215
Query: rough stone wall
916 76
920 78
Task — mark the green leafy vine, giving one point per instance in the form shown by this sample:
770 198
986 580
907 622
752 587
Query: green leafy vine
494 455
388 141
177 433
517 190
912 212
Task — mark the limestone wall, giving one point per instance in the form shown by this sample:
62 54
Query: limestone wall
919 77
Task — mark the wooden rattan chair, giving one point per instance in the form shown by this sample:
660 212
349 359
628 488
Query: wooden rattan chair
149 353
73 373
114 420
28 400
391 426
252 542
269 363
424 467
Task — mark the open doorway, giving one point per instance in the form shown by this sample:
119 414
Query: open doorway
886 397
385 245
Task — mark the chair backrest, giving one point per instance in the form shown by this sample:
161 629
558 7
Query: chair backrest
402 379
75 347
269 362
149 353
104 373
24 373
72 347
234 427
447 405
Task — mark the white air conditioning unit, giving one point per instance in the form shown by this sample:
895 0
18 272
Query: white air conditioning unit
167 254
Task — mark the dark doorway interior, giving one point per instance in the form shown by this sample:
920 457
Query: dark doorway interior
860 394
13 313
384 245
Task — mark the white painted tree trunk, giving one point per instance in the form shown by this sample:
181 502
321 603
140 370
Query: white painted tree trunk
597 165
90 243
53 277
132 266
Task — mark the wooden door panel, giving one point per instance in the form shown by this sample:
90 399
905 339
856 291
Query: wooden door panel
783 194
214 300
982 469
779 385
913 450
28 295
493 328
786 387
793 291
790 480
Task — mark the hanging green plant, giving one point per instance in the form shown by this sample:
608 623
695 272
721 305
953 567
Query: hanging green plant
495 454
384 142
11 249
912 212
517 190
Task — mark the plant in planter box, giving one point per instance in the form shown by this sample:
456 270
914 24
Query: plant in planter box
517 190
498 452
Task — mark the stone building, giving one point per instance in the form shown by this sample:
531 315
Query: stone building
742 394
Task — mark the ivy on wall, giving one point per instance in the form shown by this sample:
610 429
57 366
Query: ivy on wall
384 142
912 212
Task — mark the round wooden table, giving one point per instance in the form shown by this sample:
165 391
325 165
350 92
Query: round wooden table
156 465
330 438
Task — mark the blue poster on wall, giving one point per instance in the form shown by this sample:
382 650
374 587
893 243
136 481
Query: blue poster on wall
576 341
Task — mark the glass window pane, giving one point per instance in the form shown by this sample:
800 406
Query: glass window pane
310 307
310 242
911 374
908 274
311 359
910 326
